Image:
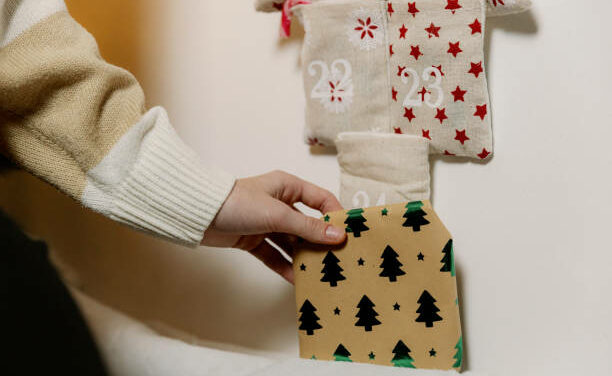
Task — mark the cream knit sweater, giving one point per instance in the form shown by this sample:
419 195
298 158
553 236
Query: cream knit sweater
80 124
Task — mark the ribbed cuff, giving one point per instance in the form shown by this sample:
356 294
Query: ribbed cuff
166 191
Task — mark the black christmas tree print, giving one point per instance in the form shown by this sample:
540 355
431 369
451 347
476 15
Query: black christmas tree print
402 356
367 314
355 222
415 216
427 310
448 260
391 265
342 354
459 354
331 270
308 318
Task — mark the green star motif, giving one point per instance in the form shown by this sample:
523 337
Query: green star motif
384 211
326 218
313 357
371 355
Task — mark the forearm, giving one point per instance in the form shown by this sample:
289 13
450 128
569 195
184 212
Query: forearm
80 123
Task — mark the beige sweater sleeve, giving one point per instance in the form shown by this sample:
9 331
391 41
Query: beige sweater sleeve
80 123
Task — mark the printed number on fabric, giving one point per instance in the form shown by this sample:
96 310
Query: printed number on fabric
335 86
362 200
416 97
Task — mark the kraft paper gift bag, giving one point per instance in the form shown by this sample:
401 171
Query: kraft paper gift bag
438 82
378 168
387 296
344 61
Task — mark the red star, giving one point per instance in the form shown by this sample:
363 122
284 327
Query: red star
390 9
397 130
391 50
481 111
409 114
441 114
446 152
461 136
433 30
400 71
476 69
484 154
476 27
403 31
498 1
459 94
452 5
394 93
454 49
439 68
425 134
415 51
412 9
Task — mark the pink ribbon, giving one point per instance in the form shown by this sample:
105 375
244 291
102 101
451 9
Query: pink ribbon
285 29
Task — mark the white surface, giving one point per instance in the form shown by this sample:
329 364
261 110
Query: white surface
531 226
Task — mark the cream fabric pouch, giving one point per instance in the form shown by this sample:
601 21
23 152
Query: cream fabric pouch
438 83
380 169
344 60
506 7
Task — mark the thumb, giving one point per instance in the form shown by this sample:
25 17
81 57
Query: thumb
312 229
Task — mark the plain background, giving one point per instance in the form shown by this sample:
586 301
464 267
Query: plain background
532 226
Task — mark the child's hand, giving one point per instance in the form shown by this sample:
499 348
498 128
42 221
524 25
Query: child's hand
262 207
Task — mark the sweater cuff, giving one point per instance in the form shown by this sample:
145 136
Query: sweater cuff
152 181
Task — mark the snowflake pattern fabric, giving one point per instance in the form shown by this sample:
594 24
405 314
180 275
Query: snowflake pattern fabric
506 7
365 29
343 57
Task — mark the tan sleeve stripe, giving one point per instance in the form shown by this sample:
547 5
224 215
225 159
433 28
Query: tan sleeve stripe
65 97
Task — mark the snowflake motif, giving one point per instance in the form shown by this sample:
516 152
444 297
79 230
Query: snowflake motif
365 29
340 92
334 90
313 141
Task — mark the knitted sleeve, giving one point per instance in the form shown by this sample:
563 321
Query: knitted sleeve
80 124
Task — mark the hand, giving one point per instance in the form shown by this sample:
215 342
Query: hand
261 207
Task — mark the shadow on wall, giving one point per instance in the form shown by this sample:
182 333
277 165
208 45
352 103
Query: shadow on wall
211 295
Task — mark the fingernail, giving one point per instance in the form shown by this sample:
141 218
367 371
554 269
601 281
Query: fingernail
333 232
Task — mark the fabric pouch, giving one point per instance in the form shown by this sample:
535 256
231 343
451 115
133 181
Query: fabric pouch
378 168
438 83
344 60
506 7
387 296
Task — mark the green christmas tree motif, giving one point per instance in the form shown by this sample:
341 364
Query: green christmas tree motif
342 354
391 265
331 270
355 222
309 319
449 259
367 314
402 356
459 354
428 312
415 216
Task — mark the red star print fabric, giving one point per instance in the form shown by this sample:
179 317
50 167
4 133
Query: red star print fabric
438 84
